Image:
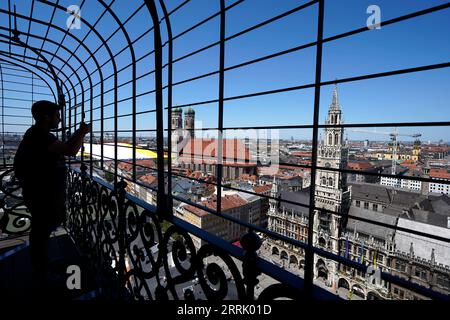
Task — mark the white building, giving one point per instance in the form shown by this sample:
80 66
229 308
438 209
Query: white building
439 188
441 174
401 183
435 251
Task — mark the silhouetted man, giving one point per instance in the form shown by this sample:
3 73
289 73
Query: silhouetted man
39 166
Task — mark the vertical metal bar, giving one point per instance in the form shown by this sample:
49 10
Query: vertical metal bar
32 93
121 241
169 104
134 142
221 95
161 199
102 125
116 128
10 26
309 254
82 120
251 243
70 125
3 118
91 114
62 104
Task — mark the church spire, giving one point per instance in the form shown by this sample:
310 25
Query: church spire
335 102
274 191
334 112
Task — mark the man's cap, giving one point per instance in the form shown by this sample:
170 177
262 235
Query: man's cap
43 107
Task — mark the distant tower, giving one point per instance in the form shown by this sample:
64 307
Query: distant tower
274 193
177 119
177 130
273 205
416 150
366 143
331 191
189 120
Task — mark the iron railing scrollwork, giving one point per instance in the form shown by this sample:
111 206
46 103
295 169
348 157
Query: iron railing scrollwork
124 240
15 219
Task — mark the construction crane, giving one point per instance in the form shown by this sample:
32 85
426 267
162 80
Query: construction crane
393 135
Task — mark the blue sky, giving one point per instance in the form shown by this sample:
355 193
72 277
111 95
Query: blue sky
423 96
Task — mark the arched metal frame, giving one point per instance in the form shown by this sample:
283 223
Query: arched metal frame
164 196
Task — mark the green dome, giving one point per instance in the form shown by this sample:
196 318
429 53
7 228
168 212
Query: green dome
176 110
189 111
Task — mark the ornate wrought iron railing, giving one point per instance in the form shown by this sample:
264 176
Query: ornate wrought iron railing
136 256
124 236
103 219
14 216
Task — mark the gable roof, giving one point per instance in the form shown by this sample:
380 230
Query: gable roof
370 228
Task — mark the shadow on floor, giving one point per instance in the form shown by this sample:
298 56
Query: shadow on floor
15 273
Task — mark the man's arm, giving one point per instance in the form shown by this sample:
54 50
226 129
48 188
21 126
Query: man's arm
73 145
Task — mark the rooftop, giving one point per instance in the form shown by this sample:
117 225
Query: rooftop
440 173
229 202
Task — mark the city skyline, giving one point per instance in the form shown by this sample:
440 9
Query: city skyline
348 197
411 97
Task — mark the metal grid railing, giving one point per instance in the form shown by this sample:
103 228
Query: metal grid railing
114 76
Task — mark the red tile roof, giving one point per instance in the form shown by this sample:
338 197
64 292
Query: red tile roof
359 165
199 160
196 174
299 171
148 178
125 166
301 154
232 149
146 163
439 173
228 202
262 189
410 164
248 177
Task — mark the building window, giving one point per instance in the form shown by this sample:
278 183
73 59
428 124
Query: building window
358 203
366 205
380 259
420 273
375 207
443 281
400 266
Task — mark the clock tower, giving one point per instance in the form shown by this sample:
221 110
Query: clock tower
331 192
